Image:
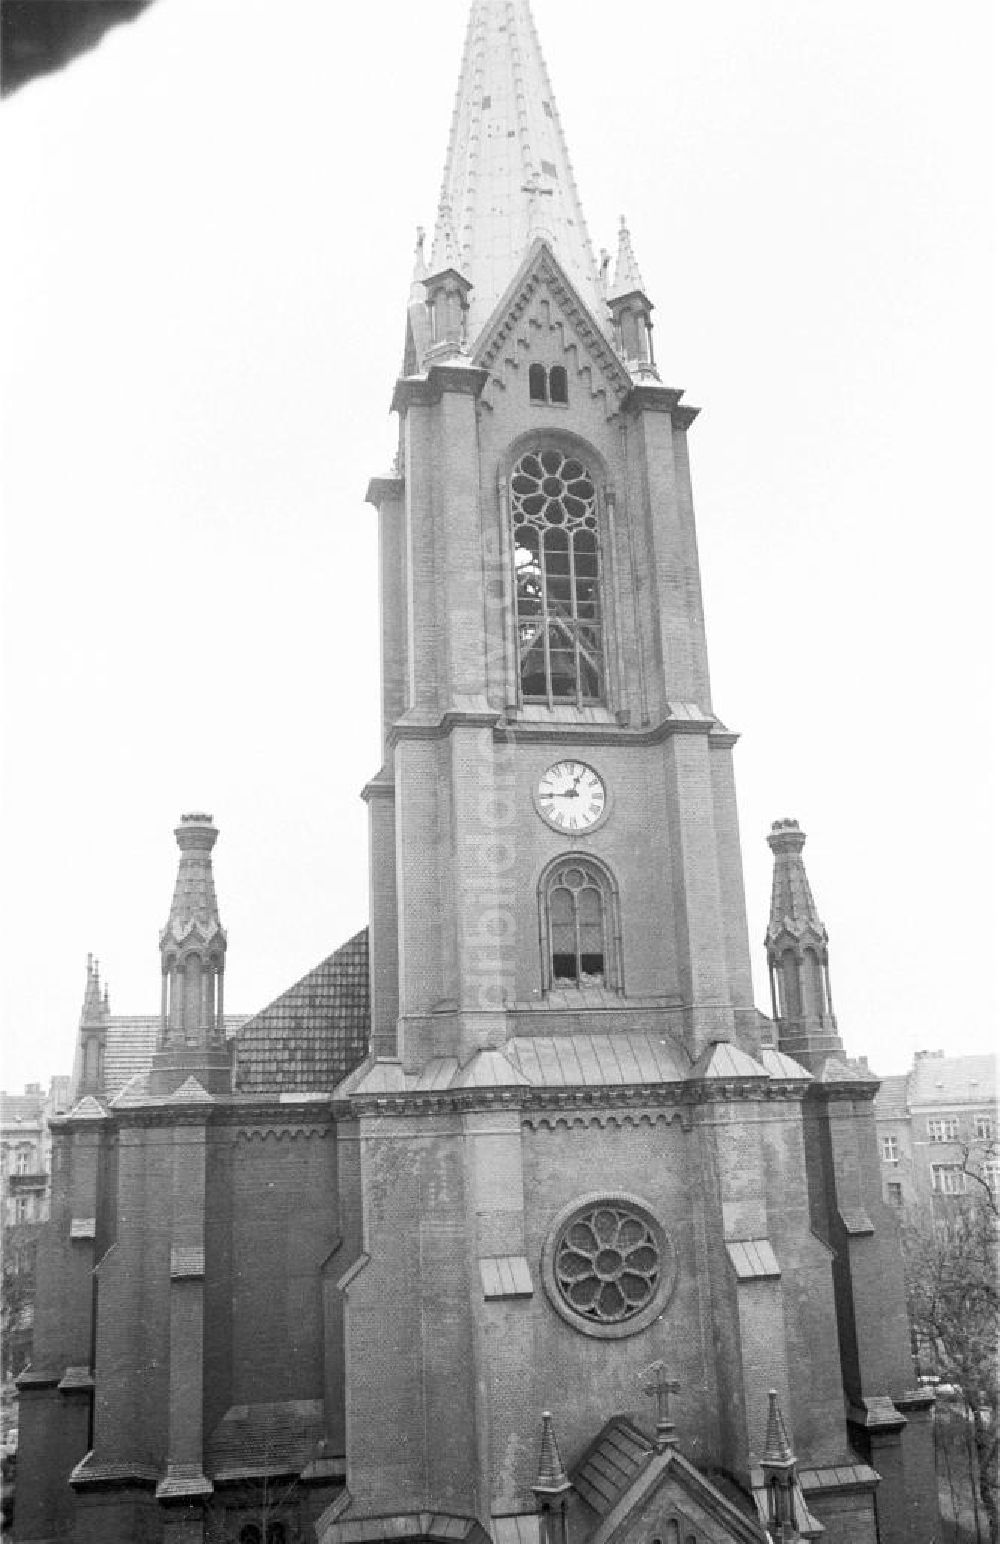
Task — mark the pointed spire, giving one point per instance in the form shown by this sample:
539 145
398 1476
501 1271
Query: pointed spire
777 1446
193 962
444 248
88 1063
797 947
628 279
507 173
93 1011
631 312
792 904
786 1516
552 1477
419 267
194 908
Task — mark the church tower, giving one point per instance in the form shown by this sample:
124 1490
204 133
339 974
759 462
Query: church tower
192 1041
570 1155
545 677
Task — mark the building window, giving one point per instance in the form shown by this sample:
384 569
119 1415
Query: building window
548 385
24 1156
984 1128
948 1179
942 1130
608 1266
21 1209
895 1192
557 571
890 1149
579 917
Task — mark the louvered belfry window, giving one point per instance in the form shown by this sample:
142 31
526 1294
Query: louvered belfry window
558 576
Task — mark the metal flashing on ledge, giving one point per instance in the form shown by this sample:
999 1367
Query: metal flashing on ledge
187 1262
876 1413
753 1259
76 1380
505 1276
856 1221
183 1482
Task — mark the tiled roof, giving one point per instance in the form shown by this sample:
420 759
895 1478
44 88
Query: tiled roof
953 1080
277 1438
128 1049
26 1108
311 1036
890 1101
607 1470
131 1045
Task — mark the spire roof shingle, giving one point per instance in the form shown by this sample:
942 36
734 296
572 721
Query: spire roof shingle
506 155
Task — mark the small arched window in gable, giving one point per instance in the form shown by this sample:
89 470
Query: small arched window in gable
558 384
538 383
581 943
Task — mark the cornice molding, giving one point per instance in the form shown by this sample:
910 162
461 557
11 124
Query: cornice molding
382 489
377 788
586 1105
308 1116
513 729
648 397
601 1119
426 390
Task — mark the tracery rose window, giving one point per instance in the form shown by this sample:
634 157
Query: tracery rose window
557 575
608 1266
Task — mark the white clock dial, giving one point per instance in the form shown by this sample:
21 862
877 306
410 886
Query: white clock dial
571 796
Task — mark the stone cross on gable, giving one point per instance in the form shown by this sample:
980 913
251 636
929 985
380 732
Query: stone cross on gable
657 1383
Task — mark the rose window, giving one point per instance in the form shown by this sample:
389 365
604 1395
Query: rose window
607 1264
557 571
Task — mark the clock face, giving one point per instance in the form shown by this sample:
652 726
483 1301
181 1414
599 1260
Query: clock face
571 796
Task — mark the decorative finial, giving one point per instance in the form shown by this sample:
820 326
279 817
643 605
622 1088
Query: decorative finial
628 279
552 1477
657 1383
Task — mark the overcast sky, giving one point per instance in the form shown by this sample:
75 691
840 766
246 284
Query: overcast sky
208 234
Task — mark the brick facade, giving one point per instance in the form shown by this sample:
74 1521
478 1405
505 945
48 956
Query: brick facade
568 1156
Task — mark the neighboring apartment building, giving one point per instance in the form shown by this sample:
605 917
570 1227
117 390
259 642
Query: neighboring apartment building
26 1149
937 1129
25 1176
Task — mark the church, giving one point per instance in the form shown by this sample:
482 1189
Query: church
514 1221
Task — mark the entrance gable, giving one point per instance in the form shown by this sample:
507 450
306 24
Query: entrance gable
646 1494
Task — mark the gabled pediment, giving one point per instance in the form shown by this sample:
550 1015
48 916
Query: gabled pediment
640 1492
542 300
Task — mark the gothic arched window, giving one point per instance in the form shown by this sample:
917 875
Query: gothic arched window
558 384
558 576
538 383
581 942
